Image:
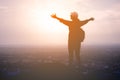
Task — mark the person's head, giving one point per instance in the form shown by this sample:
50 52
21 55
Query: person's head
74 15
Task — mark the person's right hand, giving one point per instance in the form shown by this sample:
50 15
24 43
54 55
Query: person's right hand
53 16
92 19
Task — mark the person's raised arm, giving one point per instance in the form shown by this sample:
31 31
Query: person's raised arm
54 16
86 21
66 22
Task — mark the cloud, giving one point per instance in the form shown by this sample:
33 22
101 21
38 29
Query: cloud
3 8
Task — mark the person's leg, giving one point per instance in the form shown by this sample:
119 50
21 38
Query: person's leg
77 52
70 49
70 55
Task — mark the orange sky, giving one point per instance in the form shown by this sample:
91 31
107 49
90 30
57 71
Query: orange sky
28 22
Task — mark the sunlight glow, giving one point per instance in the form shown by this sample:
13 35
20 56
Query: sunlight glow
42 20
52 30
29 21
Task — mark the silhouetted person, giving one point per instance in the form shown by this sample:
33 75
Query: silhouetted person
76 34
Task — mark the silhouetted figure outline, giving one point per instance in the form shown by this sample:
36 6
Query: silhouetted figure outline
76 34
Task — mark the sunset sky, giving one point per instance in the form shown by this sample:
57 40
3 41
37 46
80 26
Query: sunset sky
28 22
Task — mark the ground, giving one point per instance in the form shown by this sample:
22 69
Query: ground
97 63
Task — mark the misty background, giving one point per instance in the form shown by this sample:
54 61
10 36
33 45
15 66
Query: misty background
20 25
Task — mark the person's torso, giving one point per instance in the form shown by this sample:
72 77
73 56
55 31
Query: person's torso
75 31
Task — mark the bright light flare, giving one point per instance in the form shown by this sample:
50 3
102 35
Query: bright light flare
41 19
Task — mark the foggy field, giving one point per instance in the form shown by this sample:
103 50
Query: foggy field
51 63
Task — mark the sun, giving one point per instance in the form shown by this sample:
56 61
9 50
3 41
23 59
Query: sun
49 30
41 20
